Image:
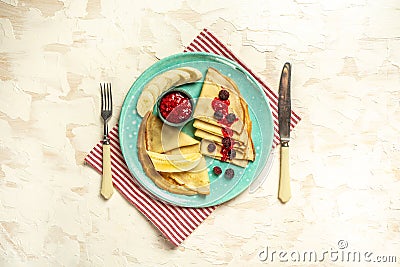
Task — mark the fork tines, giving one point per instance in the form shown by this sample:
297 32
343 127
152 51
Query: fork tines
106 97
106 112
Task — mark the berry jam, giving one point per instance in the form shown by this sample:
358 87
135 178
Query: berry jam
175 107
227 132
225 153
220 106
227 147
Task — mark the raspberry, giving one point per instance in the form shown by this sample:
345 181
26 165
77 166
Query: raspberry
230 117
226 142
175 107
217 170
231 154
229 173
218 115
211 147
223 94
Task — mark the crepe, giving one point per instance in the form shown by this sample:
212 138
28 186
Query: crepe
217 139
240 158
242 138
184 150
210 129
163 182
161 138
196 179
150 136
213 83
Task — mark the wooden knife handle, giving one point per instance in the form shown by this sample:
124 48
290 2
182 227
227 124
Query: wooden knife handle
106 182
284 193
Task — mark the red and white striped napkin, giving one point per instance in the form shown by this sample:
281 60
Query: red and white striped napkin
175 223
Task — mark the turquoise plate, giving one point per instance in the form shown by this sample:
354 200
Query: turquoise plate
221 188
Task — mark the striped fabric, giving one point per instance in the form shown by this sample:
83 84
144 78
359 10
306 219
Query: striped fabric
175 223
207 42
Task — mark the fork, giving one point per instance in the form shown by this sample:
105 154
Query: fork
106 112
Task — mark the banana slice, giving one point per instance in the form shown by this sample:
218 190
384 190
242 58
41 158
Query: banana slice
160 82
163 82
145 101
154 90
177 76
195 75
174 163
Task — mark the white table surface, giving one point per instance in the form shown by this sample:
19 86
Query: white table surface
344 154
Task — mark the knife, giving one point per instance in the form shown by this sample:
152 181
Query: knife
284 111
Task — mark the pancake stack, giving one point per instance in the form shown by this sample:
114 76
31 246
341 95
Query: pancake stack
223 123
171 158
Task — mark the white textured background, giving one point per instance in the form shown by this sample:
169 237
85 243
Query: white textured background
345 153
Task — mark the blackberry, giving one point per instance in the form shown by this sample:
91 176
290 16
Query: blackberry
217 170
229 173
218 115
230 117
211 147
226 142
223 94
231 154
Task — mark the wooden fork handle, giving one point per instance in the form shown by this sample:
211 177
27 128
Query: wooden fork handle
106 182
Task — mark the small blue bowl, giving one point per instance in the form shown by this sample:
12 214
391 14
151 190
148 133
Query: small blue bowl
185 94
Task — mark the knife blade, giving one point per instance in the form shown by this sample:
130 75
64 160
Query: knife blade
284 112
